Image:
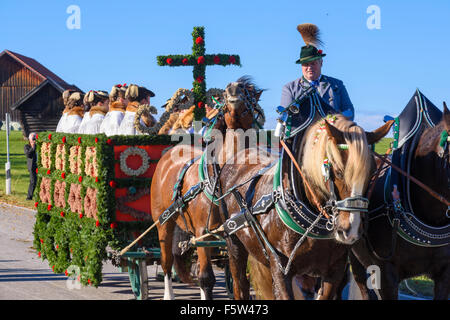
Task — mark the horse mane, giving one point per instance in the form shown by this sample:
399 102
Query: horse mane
316 146
248 81
429 139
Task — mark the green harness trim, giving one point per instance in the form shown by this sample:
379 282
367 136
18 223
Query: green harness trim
202 178
284 215
444 139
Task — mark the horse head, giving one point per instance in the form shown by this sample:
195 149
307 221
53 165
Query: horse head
431 165
337 162
241 98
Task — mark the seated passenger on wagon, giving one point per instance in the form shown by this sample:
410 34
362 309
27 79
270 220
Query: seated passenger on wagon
136 96
73 112
330 89
117 106
98 101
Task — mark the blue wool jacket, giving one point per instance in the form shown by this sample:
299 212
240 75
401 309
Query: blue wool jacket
330 89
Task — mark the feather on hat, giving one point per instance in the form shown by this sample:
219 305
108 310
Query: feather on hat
310 34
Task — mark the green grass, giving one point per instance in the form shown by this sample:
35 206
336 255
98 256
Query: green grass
382 146
417 286
20 176
19 173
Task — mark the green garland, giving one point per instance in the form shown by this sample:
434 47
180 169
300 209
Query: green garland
64 238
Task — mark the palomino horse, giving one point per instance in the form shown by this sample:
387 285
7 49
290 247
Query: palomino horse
241 98
280 251
399 257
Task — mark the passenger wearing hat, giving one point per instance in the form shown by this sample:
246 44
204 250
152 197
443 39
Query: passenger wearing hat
117 106
73 113
98 101
62 121
330 89
136 96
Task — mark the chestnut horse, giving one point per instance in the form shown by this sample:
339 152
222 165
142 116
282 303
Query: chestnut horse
397 258
241 98
274 244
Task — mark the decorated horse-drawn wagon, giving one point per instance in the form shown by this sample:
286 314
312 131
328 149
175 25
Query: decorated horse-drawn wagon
92 199
93 193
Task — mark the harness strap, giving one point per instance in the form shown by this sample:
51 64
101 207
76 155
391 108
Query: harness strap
180 202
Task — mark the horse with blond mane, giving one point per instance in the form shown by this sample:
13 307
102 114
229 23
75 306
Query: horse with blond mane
299 220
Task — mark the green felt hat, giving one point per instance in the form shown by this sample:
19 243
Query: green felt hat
309 53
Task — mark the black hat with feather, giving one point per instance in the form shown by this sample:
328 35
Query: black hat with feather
311 36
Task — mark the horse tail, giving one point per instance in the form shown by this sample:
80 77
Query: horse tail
261 279
182 262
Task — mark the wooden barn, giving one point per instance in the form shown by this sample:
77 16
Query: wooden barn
30 93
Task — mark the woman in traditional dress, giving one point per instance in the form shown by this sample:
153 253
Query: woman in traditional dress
99 102
117 107
136 96
62 121
73 113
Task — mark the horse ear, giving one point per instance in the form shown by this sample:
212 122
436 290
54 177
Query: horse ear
333 133
375 136
446 117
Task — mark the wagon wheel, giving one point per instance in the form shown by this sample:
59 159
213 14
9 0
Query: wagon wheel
137 272
228 281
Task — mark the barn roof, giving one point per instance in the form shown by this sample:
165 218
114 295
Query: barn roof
38 69
47 76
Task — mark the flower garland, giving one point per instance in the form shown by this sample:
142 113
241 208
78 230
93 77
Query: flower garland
75 159
177 97
91 162
214 92
134 151
331 119
45 155
60 157
147 110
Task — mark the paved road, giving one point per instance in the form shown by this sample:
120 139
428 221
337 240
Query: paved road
24 276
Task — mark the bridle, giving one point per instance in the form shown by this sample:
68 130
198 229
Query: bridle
334 206
249 99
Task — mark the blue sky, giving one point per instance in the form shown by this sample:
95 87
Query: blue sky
118 42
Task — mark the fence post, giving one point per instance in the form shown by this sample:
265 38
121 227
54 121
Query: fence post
8 164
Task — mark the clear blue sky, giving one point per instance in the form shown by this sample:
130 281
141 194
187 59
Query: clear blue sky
119 41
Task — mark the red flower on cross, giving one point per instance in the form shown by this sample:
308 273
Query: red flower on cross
199 40
201 60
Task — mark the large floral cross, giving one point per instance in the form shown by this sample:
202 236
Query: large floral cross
199 60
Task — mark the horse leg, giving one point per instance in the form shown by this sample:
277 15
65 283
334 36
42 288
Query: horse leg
282 284
442 285
165 235
237 259
389 282
360 276
205 276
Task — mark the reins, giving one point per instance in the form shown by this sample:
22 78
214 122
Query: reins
433 193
